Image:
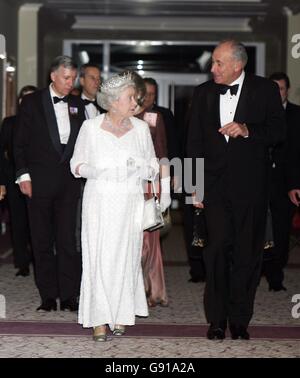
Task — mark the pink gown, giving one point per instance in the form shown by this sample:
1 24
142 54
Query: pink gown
152 264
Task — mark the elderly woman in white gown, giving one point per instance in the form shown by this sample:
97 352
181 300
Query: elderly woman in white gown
114 152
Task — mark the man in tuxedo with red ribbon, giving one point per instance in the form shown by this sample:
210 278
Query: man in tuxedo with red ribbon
48 126
234 119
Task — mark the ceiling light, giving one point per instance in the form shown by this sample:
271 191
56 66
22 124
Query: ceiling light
10 69
84 57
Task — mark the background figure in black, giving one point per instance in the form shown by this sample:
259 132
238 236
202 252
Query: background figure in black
90 80
20 233
281 207
195 253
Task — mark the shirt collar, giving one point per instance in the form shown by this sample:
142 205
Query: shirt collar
239 80
53 93
84 97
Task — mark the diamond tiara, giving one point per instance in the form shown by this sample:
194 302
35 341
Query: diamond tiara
117 81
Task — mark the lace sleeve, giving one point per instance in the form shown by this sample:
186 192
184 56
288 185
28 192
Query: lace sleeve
81 149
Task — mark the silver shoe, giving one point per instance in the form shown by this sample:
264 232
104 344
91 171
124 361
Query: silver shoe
99 336
119 330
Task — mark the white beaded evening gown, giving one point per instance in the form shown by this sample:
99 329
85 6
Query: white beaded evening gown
112 288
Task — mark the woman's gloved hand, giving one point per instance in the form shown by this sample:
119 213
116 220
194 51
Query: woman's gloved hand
165 197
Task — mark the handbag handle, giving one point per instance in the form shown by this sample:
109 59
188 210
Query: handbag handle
154 192
153 189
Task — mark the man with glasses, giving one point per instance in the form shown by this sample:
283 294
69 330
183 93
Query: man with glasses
90 80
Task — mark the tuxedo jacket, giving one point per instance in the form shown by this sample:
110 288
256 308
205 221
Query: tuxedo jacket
285 156
37 147
7 166
293 146
239 168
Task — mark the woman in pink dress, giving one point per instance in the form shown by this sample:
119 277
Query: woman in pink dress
152 263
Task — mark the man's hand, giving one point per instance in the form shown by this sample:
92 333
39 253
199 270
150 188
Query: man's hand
26 188
2 192
294 195
234 129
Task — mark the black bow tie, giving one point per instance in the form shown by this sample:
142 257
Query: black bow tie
58 99
87 102
223 88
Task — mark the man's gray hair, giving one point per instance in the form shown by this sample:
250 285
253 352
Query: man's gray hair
238 50
111 88
63 60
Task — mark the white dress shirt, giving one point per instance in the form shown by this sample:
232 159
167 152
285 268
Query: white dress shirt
90 110
228 103
62 117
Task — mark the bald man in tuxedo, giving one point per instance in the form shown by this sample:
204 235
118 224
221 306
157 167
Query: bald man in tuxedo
234 118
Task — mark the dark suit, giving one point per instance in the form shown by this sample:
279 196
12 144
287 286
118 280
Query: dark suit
235 193
171 132
16 201
293 155
281 207
195 253
55 192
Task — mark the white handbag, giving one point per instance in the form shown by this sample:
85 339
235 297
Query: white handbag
152 217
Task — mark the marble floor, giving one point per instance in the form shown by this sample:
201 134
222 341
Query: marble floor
176 331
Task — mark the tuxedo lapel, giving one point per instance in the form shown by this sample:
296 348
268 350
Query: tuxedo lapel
74 125
213 105
51 120
243 104
214 108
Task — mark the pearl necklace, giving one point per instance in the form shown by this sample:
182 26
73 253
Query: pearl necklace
124 125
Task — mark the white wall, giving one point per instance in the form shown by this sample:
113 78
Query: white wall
27 44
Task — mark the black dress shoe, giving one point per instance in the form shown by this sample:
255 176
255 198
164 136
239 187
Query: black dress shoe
239 332
276 287
24 272
234 332
69 304
48 305
244 334
215 333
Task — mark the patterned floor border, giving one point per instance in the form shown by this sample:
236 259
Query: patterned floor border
33 328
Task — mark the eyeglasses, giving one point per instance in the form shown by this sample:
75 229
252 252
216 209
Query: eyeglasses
97 79
150 94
